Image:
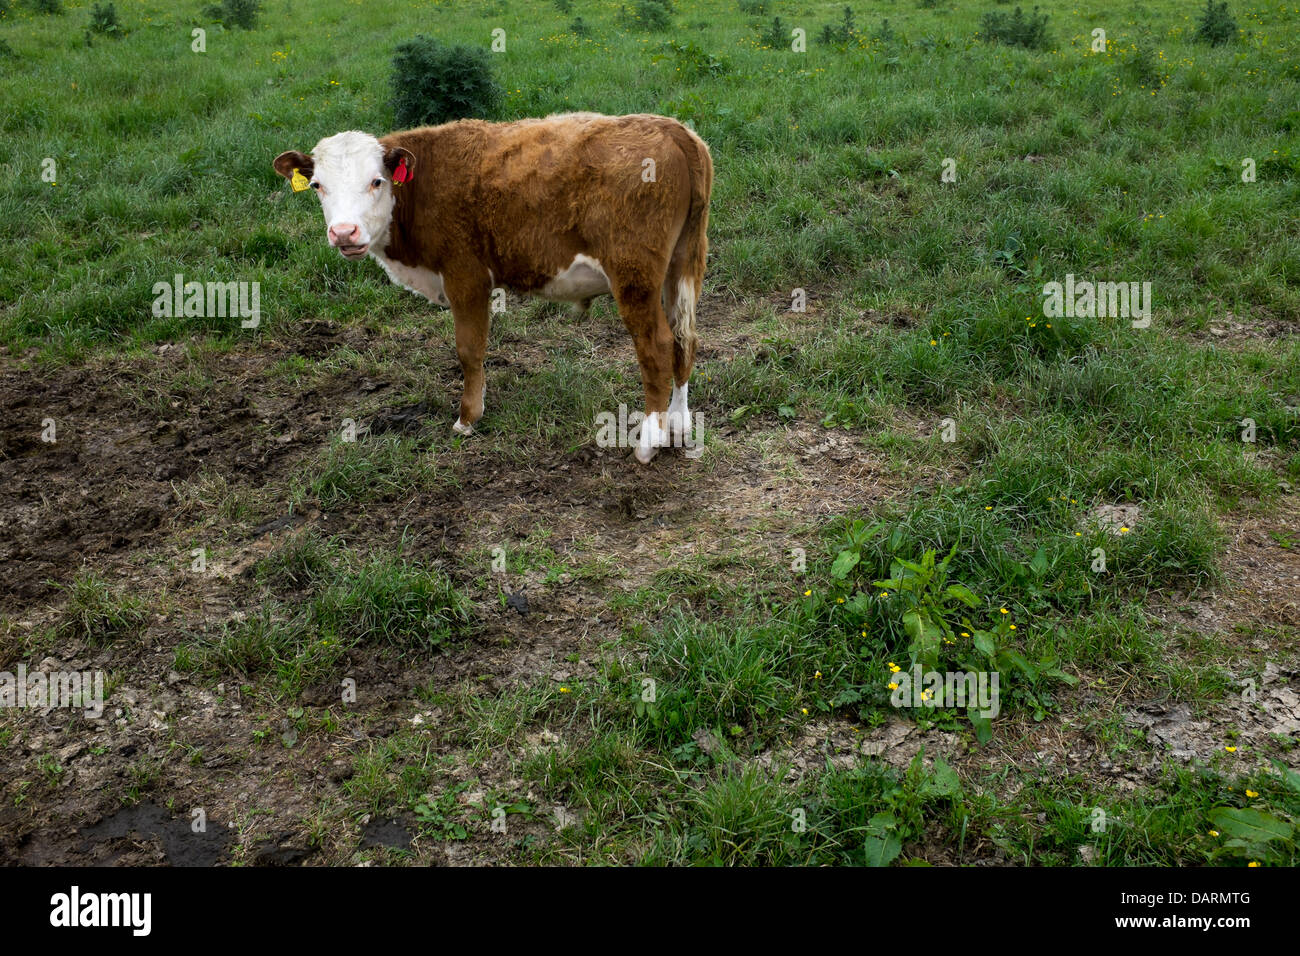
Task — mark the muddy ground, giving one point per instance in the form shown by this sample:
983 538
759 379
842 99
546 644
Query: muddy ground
150 451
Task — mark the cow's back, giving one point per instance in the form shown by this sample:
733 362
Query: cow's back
531 195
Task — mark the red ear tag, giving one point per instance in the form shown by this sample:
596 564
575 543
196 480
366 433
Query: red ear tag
401 174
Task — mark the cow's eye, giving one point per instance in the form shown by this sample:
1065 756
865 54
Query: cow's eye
315 185
377 183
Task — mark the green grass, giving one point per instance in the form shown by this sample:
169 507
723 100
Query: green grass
369 469
824 181
99 612
323 601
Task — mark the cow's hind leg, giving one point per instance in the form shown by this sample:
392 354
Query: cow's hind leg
643 314
680 295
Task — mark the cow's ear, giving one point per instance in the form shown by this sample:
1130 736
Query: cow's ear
286 163
400 163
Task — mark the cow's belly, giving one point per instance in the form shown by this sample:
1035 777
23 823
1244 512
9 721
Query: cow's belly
581 279
417 279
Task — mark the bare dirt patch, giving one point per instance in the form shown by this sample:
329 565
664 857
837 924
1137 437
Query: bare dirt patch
126 432
136 436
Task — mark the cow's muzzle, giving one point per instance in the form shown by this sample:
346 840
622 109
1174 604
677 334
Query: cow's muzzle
346 238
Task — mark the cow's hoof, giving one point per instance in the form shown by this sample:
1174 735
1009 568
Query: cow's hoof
651 438
460 428
679 427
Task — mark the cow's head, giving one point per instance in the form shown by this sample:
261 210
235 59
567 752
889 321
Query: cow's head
352 173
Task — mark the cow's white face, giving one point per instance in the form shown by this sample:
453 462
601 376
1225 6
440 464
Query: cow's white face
352 173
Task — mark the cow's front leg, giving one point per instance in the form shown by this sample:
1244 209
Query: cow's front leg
469 309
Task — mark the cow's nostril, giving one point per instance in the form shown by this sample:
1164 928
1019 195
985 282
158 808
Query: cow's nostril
346 233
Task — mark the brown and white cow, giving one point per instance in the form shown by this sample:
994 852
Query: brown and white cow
567 207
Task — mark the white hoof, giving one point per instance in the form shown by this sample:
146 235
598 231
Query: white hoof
679 427
460 428
652 437
679 417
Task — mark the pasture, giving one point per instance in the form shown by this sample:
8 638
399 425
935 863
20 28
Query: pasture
341 633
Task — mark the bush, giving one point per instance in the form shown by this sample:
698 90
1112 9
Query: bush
579 27
1016 29
842 33
1143 67
48 6
103 21
235 13
693 61
648 15
435 83
775 37
1216 25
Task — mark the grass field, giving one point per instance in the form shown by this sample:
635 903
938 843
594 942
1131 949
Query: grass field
522 647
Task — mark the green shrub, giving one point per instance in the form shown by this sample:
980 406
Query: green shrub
1016 29
842 33
775 37
564 6
693 61
1216 25
1143 67
234 13
48 6
647 15
435 83
579 27
103 21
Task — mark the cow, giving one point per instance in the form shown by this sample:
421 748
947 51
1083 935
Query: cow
567 207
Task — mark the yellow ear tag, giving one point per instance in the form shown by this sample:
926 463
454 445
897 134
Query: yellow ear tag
298 182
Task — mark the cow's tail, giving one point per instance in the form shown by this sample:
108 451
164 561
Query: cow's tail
685 278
